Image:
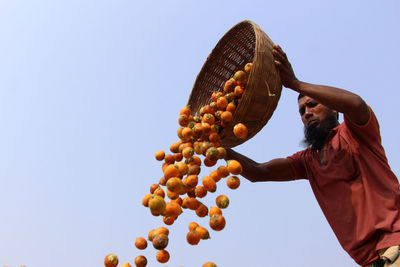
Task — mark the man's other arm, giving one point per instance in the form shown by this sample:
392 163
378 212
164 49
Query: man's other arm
274 170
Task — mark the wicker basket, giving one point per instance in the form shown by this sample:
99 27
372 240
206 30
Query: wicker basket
244 43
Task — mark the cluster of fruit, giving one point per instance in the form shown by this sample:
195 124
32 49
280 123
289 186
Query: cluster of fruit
199 136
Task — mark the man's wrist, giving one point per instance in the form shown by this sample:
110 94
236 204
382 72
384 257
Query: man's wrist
295 85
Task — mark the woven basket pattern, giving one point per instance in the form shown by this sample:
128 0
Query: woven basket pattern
244 43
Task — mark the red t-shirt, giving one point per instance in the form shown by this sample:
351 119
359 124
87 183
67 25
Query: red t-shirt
355 188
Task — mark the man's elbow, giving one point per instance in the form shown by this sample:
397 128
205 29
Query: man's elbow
359 103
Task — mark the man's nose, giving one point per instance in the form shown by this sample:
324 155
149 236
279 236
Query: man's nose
308 113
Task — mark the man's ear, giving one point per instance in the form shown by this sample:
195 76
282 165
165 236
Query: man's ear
337 114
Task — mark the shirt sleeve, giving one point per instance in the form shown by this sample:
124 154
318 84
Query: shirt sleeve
297 161
368 132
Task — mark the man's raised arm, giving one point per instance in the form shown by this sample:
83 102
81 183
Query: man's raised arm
275 170
337 99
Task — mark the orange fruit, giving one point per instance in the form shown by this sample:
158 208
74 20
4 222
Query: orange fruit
212 154
170 159
205 109
206 127
185 111
190 203
218 114
209 264
217 222
179 133
230 97
159 192
164 166
234 167
215 176
194 169
202 210
209 184
188 152
190 181
171 171
161 230
168 220
203 232
125 264
233 182
247 67
177 200
193 225
200 191
160 155
174 147
208 118
208 162
160 241
197 129
213 106
214 96
240 76
231 107
238 91
162 256
226 116
184 145
187 132
157 205
140 261
183 120
190 191
195 160
145 200
223 171
193 238
162 181
172 195
214 210
182 168
151 235
178 157
153 188
172 209
222 201
174 184
229 85
222 102
242 83
214 137
141 243
204 146
240 130
111 260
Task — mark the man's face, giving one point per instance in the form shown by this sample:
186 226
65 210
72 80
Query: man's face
313 113
318 121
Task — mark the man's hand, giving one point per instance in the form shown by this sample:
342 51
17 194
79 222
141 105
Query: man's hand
285 68
274 170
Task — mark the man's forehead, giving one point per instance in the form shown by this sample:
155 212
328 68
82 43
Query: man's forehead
304 100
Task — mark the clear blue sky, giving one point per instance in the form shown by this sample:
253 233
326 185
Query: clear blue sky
89 90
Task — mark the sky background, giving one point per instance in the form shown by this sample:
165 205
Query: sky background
90 90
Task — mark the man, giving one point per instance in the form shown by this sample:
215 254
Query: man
346 167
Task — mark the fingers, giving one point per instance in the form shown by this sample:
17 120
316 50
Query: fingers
278 56
277 64
279 51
